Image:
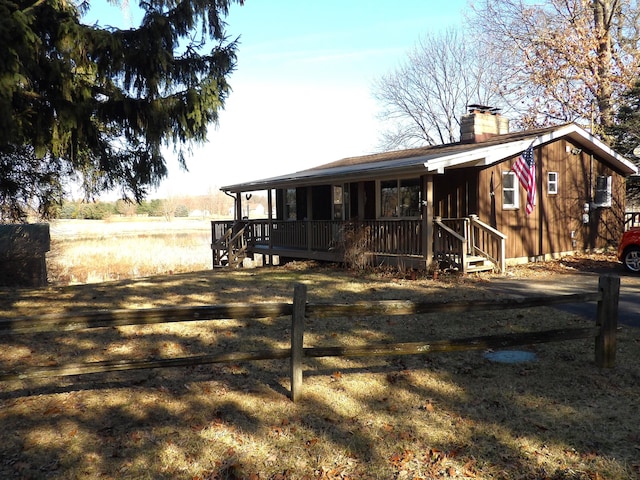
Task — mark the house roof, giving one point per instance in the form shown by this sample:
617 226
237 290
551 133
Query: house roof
437 159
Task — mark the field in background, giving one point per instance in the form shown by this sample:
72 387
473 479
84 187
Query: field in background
92 251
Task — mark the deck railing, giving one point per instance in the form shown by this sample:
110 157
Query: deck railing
397 237
454 238
450 242
487 242
479 239
394 237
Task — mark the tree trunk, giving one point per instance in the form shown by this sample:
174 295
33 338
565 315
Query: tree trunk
602 16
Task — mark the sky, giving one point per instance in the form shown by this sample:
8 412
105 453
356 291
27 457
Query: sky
302 88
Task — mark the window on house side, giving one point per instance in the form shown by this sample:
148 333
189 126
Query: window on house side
510 193
603 191
410 193
400 198
337 194
389 198
337 202
290 199
552 183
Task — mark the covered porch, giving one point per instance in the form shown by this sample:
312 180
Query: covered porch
464 244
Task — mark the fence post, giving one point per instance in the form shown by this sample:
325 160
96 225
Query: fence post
297 339
607 320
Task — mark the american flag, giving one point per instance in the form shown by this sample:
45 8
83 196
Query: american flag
525 170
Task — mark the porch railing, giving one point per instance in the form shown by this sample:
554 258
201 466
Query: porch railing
395 237
449 242
229 243
454 239
488 242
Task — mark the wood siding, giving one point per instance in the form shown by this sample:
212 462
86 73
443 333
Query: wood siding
455 193
556 224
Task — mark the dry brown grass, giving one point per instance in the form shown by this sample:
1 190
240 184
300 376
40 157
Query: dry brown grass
93 251
442 416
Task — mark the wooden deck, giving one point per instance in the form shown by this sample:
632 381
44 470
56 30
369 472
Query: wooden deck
397 242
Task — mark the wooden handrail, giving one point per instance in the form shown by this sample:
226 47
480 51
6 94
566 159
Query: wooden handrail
229 243
498 257
454 239
450 254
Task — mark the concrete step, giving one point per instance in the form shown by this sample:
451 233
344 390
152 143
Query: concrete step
478 264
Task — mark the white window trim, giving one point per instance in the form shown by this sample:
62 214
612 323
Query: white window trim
550 183
516 192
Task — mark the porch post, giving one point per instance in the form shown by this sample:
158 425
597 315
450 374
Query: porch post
270 216
307 223
427 219
238 206
360 201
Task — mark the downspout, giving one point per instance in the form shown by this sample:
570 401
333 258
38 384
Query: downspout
270 214
590 193
427 220
235 208
539 196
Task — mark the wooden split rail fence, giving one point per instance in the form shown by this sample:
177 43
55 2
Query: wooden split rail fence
604 330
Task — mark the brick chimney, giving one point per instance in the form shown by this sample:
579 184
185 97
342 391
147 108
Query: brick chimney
482 123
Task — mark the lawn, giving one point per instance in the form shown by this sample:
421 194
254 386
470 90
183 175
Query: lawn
455 415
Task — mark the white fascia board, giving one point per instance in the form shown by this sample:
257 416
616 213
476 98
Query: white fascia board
313 176
490 155
603 149
479 157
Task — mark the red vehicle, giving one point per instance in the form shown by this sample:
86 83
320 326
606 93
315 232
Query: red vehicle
629 250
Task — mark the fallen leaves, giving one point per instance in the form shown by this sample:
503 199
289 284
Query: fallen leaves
399 419
431 463
428 407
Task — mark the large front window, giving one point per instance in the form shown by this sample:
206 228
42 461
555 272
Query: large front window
410 198
400 198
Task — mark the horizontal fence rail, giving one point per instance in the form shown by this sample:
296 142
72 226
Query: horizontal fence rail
604 330
150 316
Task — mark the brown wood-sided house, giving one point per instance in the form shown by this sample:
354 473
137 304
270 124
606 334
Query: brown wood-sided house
459 204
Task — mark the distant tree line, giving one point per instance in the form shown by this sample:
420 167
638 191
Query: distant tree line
214 205
80 210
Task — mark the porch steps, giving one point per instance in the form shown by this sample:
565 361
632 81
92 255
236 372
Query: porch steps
476 263
231 249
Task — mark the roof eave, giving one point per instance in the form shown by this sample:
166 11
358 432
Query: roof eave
410 166
481 156
489 155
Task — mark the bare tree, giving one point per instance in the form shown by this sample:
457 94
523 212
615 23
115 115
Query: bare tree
562 60
127 208
424 98
169 206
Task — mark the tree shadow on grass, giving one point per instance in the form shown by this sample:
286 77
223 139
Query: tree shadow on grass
441 416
